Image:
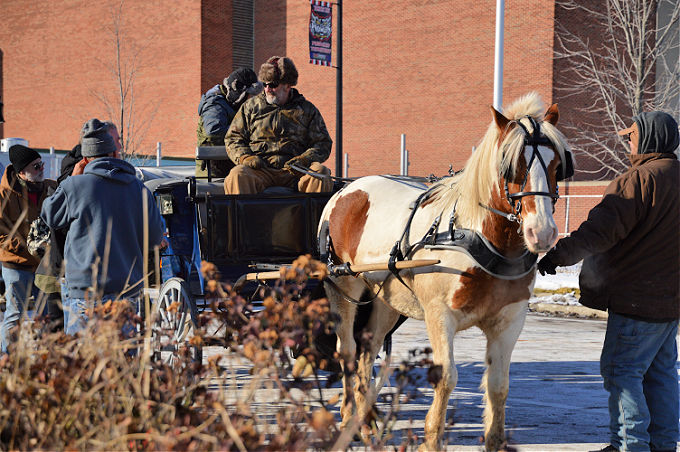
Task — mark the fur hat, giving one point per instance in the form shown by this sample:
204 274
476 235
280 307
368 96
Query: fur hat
20 156
240 83
95 139
279 69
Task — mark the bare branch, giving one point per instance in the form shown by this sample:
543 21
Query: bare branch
622 74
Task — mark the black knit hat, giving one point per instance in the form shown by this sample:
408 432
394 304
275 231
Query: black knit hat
95 139
21 156
240 83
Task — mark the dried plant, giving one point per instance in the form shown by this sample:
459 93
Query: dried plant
102 389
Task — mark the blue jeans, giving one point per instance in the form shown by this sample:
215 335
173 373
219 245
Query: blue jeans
75 313
638 364
18 287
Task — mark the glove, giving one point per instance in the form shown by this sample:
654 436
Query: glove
300 160
252 161
546 265
276 161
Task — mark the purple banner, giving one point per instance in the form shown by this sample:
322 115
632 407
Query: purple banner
320 26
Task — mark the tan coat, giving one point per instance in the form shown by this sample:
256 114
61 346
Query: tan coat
16 215
630 242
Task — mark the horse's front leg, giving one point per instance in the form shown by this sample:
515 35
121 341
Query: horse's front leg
346 346
441 328
501 338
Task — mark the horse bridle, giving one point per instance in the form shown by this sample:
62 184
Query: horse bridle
534 140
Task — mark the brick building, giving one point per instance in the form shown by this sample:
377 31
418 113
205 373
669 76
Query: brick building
423 68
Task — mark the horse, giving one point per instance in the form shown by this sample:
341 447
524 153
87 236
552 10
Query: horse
485 224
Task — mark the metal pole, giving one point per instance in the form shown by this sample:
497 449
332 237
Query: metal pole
498 60
338 96
158 153
346 170
402 160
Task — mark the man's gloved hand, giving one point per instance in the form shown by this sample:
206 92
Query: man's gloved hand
252 161
276 161
546 265
300 160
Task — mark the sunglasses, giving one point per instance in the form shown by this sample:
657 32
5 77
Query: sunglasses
271 85
628 136
38 166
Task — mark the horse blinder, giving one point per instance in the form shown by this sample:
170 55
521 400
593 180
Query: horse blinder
567 170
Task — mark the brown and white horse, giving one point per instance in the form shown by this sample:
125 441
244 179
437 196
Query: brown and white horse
506 193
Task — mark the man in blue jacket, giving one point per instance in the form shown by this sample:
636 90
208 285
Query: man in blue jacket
108 213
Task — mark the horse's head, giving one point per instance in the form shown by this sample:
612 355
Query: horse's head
534 157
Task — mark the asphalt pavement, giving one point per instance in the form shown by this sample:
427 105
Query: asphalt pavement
556 400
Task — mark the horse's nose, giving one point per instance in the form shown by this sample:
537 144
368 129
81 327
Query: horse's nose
540 239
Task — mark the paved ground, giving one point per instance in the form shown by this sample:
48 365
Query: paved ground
556 400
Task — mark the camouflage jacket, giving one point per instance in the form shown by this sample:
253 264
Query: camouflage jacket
278 133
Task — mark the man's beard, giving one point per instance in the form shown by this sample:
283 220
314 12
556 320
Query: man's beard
273 99
35 179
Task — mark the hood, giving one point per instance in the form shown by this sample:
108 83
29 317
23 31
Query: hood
658 132
9 180
212 92
112 168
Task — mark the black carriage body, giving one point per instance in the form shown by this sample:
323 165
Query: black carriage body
233 231
269 228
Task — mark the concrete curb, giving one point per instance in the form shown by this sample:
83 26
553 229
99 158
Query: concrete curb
567 311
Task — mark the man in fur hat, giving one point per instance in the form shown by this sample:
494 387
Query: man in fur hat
22 191
217 109
274 130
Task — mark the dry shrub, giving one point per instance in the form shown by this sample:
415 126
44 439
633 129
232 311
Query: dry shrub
101 390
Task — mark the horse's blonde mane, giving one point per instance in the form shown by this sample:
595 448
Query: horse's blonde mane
474 185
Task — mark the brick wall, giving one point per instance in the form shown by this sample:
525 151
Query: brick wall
57 57
576 200
423 68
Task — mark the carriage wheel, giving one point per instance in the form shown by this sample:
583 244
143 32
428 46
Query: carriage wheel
175 322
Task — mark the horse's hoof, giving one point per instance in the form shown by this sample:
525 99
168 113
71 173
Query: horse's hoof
302 368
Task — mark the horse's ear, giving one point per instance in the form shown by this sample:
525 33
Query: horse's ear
552 115
500 120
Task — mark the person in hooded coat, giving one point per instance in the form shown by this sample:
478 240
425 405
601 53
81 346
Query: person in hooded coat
630 247
217 109
108 212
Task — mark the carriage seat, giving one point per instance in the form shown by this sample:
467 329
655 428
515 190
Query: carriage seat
220 153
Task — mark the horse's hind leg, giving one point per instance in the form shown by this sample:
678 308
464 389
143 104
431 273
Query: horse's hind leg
501 335
382 319
441 328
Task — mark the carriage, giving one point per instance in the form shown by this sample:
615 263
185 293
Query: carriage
473 238
239 234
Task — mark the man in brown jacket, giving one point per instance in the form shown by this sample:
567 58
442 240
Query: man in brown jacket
22 191
274 130
630 246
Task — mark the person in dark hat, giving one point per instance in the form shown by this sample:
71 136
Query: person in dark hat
22 191
630 247
108 213
217 109
273 132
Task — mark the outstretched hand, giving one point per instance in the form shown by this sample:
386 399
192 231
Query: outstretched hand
546 266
